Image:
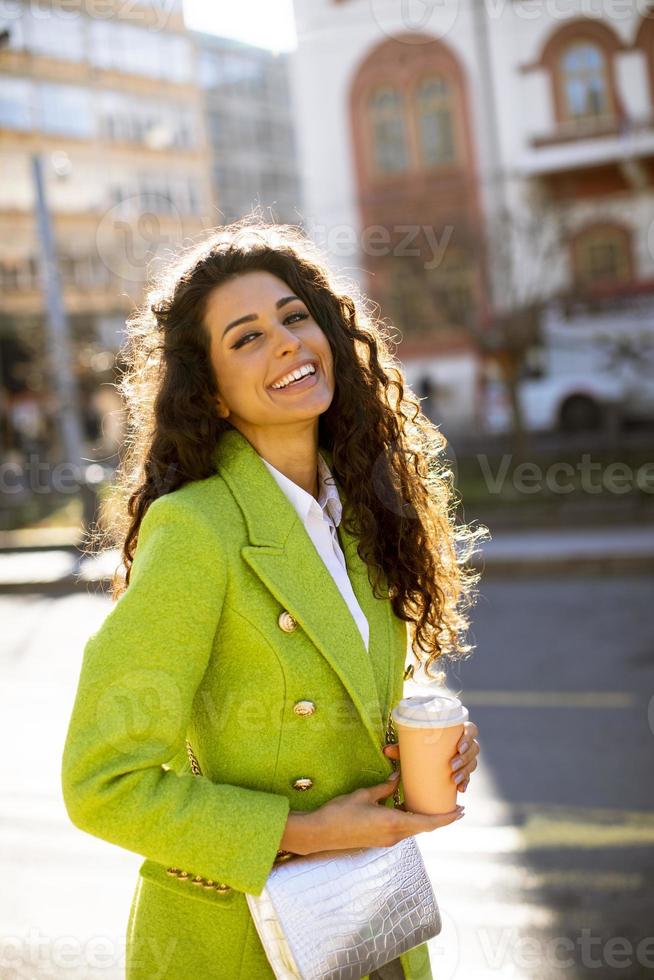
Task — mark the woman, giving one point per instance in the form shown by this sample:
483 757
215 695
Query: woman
233 705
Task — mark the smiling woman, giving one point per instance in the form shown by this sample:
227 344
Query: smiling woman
274 369
287 535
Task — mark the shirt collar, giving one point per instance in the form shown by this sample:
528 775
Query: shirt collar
328 501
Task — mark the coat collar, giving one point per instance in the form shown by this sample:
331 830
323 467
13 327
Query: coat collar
281 553
328 498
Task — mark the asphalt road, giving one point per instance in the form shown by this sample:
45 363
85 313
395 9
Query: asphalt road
549 875
551 872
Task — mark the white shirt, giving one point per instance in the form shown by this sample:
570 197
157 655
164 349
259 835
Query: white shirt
321 518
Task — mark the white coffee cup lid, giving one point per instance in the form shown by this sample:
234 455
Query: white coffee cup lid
430 711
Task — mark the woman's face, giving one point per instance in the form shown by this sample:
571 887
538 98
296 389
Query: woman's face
251 358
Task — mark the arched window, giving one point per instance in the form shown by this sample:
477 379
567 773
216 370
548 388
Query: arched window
602 256
388 130
434 112
407 299
584 81
451 284
422 300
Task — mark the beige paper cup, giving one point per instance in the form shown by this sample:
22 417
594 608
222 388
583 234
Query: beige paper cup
428 728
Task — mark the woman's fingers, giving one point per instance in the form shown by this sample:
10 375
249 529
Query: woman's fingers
433 821
470 732
392 750
463 763
462 776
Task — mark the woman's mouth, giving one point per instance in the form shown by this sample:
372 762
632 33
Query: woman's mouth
308 381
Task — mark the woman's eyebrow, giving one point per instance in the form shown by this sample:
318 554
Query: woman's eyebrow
253 316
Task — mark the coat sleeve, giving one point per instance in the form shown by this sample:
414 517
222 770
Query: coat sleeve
140 671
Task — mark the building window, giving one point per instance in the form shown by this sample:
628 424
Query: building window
126 48
451 284
66 109
154 124
16 103
584 82
435 122
602 256
388 131
57 33
18 274
424 300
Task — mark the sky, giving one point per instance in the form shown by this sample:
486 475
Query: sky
266 23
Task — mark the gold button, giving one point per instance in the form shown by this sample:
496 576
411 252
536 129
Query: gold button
304 707
303 783
286 622
221 888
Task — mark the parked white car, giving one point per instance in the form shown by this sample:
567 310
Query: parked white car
587 368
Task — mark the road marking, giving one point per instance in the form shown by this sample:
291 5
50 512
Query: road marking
549 699
541 832
563 828
502 877
561 811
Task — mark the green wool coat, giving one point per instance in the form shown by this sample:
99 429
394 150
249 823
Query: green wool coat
196 649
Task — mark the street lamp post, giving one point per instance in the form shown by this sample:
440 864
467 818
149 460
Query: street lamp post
61 350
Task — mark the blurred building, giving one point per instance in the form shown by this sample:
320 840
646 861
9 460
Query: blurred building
250 121
473 160
109 99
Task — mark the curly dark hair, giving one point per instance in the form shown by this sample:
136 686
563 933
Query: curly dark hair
399 493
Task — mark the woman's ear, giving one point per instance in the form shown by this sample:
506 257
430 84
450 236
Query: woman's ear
221 408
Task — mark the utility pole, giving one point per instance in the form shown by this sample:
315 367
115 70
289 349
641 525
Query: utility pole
61 350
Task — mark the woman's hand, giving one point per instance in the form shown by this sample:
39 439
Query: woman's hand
358 820
465 760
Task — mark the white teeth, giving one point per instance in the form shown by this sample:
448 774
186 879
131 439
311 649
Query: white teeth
295 376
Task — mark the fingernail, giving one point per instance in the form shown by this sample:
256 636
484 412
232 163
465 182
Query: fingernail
457 764
463 747
459 776
394 775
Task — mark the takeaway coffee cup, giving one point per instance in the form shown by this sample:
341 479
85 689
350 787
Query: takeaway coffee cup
428 728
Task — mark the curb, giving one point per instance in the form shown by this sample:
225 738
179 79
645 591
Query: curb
597 566
490 568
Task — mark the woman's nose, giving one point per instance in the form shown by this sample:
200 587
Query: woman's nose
286 339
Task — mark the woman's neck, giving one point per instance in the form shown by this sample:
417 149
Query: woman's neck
295 455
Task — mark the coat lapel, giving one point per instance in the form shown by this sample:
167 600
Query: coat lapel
282 554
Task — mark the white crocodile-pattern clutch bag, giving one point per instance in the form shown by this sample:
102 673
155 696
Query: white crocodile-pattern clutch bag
339 915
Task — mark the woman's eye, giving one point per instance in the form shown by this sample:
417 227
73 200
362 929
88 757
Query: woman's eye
245 338
302 316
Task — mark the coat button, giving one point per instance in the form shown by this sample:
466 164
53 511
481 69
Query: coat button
303 783
286 622
304 707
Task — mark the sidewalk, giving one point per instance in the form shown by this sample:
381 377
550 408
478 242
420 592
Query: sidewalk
592 551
